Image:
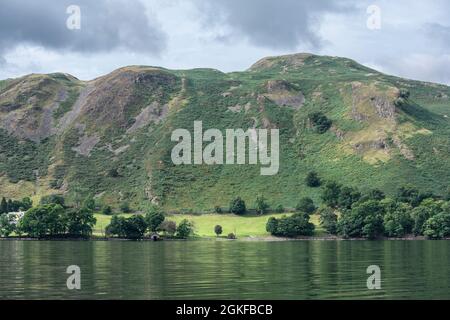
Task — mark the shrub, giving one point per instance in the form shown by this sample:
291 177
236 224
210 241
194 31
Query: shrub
107 210
312 179
125 207
237 206
320 122
231 236
168 226
279 208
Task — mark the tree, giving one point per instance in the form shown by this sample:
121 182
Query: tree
397 221
185 229
3 206
237 206
261 205
363 220
330 194
154 217
423 212
135 227
168 226
89 203
312 179
328 219
411 195
26 204
296 225
438 226
306 205
80 221
116 226
7 225
44 220
347 197
218 230
376 194
319 122
53 199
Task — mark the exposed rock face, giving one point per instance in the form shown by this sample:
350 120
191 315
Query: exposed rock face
86 144
384 107
152 113
282 94
288 61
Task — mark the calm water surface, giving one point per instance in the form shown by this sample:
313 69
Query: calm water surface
225 269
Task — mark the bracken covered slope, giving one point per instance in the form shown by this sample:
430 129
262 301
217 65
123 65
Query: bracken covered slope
110 137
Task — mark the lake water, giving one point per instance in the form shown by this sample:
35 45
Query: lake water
225 269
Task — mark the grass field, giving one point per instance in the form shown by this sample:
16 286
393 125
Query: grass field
242 226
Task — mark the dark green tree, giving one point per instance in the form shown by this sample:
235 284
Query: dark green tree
319 122
4 206
306 205
154 217
328 219
312 179
237 206
218 230
261 205
331 193
347 197
185 229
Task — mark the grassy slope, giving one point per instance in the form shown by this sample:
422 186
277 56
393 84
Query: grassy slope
146 164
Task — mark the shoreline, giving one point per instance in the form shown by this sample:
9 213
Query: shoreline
243 239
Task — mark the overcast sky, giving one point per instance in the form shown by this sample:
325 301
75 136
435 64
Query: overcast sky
413 38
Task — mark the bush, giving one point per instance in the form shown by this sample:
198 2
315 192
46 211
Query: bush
218 230
279 208
312 179
231 236
185 229
125 207
218 209
306 205
107 210
169 227
320 122
328 220
237 206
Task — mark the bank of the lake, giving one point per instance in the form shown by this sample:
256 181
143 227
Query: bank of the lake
245 226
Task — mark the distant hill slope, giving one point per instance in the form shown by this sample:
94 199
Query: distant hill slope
111 136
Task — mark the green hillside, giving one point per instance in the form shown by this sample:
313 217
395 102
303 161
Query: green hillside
110 137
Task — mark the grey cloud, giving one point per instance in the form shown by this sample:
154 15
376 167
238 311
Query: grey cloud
439 32
105 25
268 23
